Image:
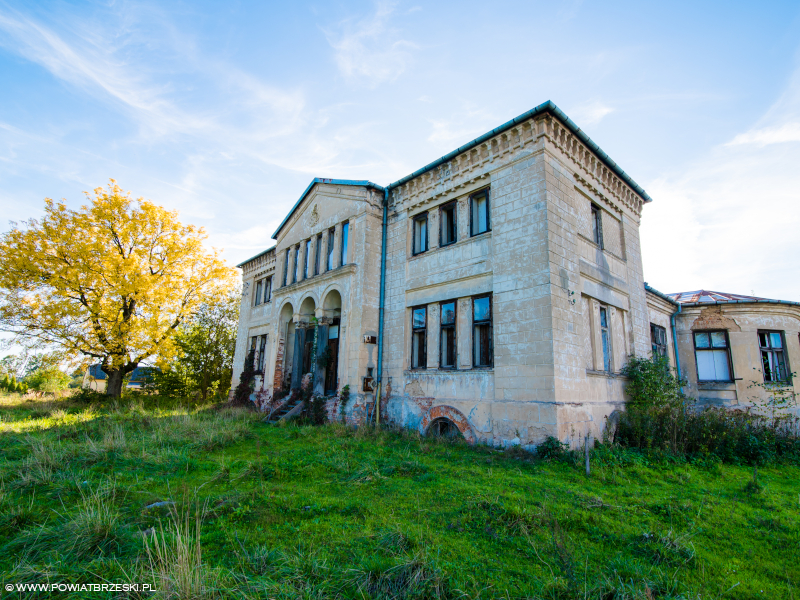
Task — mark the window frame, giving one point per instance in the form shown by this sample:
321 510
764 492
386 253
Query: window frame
605 339
710 349
448 327
414 330
343 250
654 344
787 376
307 260
296 274
448 206
317 254
286 267
472 198
262 353
482 323
330 249
267 289
257 292
597 225
423 216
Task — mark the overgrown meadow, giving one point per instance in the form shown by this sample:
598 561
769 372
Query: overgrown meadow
211 502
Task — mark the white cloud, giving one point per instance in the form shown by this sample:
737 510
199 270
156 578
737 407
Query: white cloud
788 132
590 113
369 48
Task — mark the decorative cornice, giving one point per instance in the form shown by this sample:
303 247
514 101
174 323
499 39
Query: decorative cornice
265 261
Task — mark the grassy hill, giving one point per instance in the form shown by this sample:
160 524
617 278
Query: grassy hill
210 502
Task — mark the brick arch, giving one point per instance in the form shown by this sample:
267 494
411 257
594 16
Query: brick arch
453 415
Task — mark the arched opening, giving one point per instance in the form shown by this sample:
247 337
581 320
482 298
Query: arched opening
444 428
306 330
286 335
332 320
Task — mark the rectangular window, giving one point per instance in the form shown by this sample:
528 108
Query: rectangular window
296 274
447 347
773 358
345 237
711 353
262 353
420 234
479 213
268 289
447 224
331 236
605 339
658 340
253 349
597 225
482 351
257 295
317 254
307 260
286 267
419 339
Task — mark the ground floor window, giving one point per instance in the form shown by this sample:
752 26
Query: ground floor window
773 358
711 351
419 338
447 349
482 350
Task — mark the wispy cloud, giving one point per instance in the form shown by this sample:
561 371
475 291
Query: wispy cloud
369 48
788 132
590 113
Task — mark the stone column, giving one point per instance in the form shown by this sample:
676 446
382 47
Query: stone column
297 359
464 333
433 332
322 346
463 219
433 228
301 275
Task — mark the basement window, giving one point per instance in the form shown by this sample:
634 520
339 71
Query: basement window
482 350
479 213
419 341
447 224
773 358
420 234
658 340
447 348
711 350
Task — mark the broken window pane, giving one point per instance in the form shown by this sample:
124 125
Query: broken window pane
658 340
773 359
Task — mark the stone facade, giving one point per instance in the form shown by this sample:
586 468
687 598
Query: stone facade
531 229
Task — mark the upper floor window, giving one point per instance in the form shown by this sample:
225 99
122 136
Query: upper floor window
259 286
479 213
447 224
605 339
482 350
286 267
307 260
658 340
597 225
773 358
419 338
345 239
711 351
317 254
296 274
420 234
263 291
331 237
268 289
447 348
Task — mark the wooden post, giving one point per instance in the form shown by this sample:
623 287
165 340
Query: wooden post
586 450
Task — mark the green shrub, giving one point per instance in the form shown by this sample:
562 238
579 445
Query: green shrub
551 447
46 379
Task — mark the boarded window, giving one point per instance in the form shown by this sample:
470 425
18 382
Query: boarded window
447 347
447 224
420 234
658 340
479 213
773 357
711 352
482 351
419 354
345 241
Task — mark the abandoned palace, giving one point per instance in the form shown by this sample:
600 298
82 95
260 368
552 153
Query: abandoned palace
498 291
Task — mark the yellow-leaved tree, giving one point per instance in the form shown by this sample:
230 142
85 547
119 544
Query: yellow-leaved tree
111 281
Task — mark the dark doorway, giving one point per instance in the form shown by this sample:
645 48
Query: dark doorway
444 428
332 368
307 352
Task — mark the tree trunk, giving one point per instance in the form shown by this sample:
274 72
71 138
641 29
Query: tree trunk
114 383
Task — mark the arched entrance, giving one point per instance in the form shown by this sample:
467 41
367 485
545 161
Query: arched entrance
332 317
445 428
304 344
284 358
441 418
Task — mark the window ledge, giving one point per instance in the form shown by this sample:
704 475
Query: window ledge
715 385
437 371
436 249
606 374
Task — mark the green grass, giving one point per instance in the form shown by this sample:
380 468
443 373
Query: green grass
249 509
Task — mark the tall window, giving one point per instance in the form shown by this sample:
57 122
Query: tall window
479 213
253 349
296 274
605 339
262 353
482 332
419 338
597 225
258 296
658 340
307 260
286 267
268 289
447 347
420 236
773 359
345 236
711 353
447 224
331 237
317 254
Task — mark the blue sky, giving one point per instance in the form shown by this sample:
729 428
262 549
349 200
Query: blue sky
225 111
